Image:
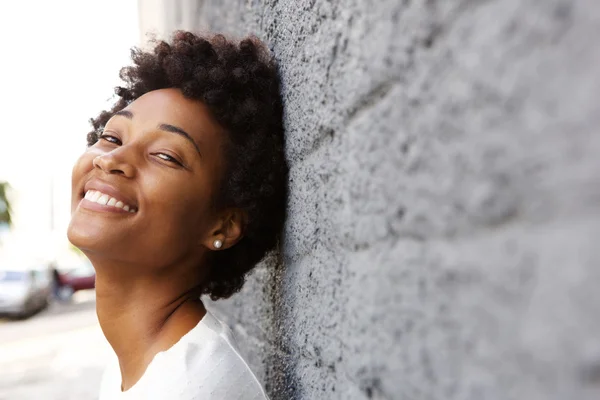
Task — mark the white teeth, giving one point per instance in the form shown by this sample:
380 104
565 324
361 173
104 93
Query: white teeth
104 199
95 196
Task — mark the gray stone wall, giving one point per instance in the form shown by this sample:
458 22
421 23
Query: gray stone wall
444 219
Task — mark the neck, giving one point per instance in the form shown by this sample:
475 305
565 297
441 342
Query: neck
143 315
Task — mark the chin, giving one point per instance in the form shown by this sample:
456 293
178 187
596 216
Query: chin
92 237
81 237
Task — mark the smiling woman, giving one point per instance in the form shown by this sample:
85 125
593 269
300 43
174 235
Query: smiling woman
181 193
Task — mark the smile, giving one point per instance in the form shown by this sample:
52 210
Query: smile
98 197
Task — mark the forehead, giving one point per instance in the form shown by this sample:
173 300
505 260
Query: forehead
169 106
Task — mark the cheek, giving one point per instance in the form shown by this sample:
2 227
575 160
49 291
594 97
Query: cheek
84 163
173 227
191 214
180 207
82 166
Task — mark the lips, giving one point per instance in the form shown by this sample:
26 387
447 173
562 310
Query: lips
108 197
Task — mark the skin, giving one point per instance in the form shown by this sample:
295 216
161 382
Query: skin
163 156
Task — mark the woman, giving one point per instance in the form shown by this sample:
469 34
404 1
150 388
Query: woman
180 193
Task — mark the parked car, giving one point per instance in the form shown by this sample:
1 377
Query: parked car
75 278
24 291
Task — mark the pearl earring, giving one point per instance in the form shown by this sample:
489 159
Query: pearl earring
218 243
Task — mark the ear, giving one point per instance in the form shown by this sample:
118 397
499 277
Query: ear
228 230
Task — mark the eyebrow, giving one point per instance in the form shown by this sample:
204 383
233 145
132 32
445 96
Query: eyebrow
179 131
166 128
125 113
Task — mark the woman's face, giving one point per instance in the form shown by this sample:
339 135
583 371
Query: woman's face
142 194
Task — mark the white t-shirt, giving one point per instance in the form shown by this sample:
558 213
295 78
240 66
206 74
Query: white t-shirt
204 365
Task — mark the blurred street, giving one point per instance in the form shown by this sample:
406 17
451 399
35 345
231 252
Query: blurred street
57 354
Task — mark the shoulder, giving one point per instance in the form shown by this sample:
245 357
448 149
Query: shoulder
213 364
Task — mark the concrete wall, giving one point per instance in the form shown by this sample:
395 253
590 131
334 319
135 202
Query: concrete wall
444 219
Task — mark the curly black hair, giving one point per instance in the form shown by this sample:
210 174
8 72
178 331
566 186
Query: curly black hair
239 83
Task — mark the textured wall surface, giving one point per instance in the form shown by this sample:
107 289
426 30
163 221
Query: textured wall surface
444 218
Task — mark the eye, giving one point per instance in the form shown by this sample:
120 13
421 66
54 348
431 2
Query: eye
168 158
110 139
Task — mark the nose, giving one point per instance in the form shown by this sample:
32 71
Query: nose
115 162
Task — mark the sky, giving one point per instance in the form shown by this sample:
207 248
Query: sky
60 63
